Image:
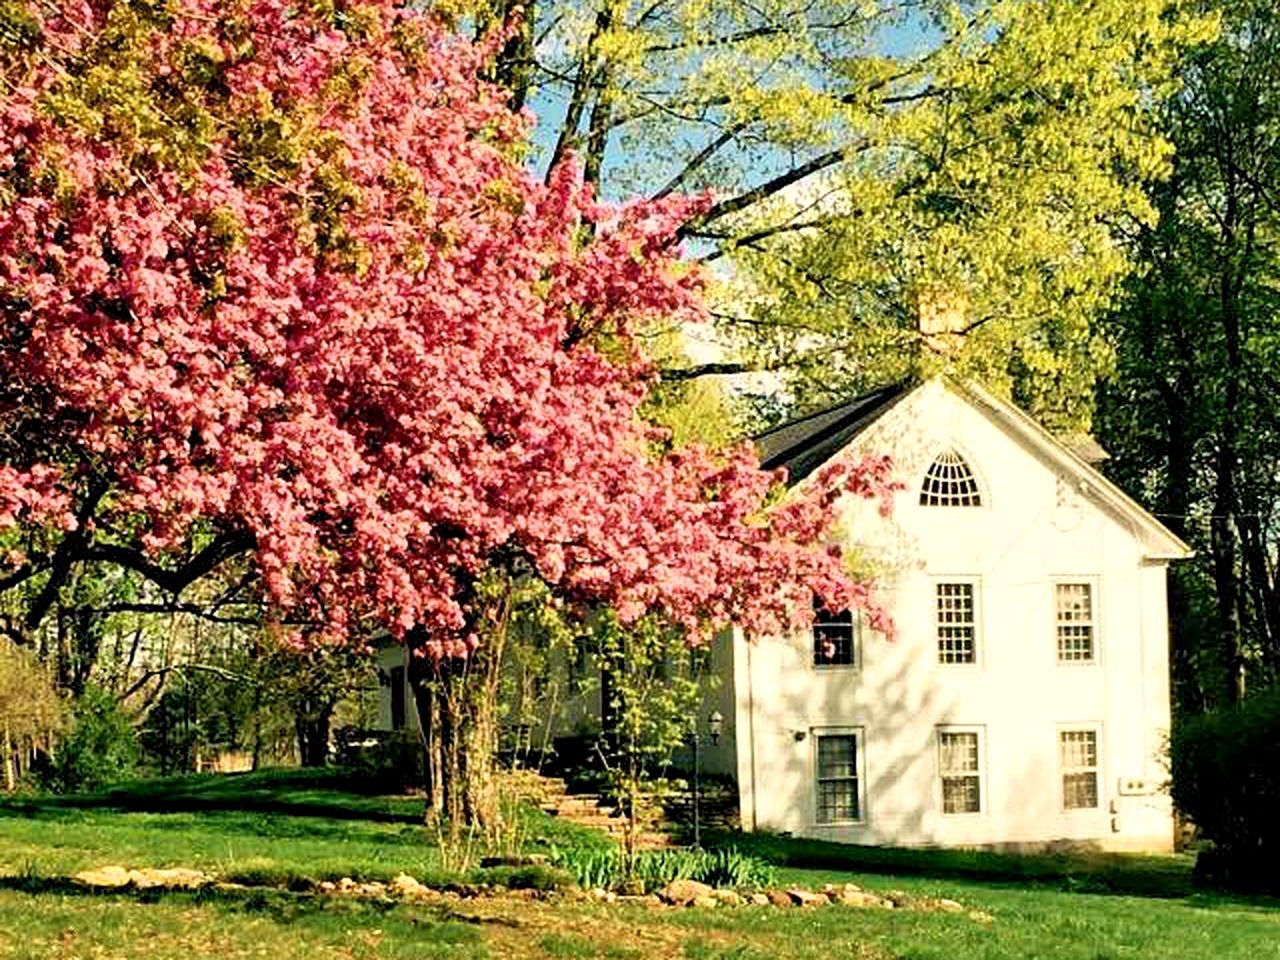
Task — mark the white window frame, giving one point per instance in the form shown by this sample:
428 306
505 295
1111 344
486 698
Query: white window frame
855 643
1094 620
860 772
1097 769
980 733
975 584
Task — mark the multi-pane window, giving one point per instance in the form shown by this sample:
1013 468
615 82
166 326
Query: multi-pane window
1075 627
833 638
957 623
838 798
1078 758
960 766
949 483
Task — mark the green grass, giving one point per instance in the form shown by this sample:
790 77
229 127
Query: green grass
283 827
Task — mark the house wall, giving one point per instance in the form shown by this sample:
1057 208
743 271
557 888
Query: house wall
1034 526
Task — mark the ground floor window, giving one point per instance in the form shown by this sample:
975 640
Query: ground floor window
839 775
1078 758
960 768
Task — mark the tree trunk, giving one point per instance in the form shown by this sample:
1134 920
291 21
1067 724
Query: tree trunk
313 736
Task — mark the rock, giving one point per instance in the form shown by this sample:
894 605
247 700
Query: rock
760 899
346 884
599 893
850 888
684 892
807 898
706 903
175 878
104 877
943 905
860 898
778 898
409 888
327 886
899 898
981 916
730 898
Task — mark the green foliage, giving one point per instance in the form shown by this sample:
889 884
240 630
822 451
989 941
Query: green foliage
100 748
1226 778
1192 417
528 877
650 870
31 711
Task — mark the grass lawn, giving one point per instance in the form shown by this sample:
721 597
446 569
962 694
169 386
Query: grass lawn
275 827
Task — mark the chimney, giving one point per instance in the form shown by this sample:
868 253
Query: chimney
941 313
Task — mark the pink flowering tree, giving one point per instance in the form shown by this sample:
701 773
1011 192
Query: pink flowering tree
276 289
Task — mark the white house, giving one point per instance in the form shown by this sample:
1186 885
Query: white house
1024 699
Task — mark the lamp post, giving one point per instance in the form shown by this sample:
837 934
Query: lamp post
715 722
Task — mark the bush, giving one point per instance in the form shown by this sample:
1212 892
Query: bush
382 760
101 747
1226 778
653 869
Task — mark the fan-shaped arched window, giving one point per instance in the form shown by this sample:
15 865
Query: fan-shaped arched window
950 483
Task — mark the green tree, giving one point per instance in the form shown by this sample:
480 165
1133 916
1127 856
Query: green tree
862 151
1193 415
32 713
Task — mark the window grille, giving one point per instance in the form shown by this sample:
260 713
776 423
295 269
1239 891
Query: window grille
1078 756
1074 603
957 623
950 483
838 778
961 771
833 638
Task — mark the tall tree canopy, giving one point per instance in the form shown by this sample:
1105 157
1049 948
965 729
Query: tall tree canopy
1192 415
863 150
274 283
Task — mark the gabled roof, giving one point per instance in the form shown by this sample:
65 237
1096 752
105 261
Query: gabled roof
806 443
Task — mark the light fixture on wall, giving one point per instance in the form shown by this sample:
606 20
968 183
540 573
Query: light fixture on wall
715 723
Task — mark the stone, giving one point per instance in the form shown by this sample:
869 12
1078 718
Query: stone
650 900
981 916
730 898
599 893
945 906
807 898
174 878
104 877
327 886
346 884
684 892
899 898
759 899
705 903
778 898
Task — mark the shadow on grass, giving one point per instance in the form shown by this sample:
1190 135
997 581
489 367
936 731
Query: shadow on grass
330 794
1074 871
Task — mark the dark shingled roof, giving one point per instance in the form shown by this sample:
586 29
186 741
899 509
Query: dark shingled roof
806 443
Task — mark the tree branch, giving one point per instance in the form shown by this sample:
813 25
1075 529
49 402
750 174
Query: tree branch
174 581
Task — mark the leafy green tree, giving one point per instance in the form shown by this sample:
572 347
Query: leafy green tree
1192 415
100 747
862 151
32 713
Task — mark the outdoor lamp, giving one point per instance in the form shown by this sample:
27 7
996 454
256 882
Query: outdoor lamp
714 723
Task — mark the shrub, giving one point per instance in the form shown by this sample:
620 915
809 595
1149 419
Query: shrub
101 747
1226 778
651 870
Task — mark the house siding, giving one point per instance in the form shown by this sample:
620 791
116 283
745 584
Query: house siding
1034 528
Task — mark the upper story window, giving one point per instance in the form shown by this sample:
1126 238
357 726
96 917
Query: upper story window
949 483
1075 622
834 638
956 622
